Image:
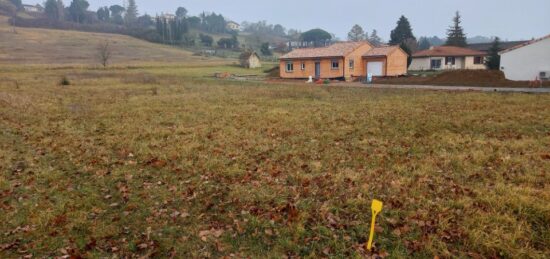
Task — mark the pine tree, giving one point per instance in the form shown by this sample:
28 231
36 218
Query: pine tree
60 10
402 32
375 39
131 13
356 34
455 34
493 60
50 8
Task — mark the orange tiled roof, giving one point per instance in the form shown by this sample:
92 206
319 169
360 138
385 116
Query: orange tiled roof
340 49
525 44
381 51
448 51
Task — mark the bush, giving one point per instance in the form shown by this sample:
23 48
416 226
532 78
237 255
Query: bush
64 81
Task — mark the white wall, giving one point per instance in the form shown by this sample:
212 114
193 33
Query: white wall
527 62
419 64
469 64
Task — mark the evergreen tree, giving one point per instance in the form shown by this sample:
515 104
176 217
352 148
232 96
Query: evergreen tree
78 9
455 34
181 12
402 32
424 44
375 39
356 34
116 14
103 14
403 36
50 8
131 13
493 60
60 10
319 37
265 49
17 3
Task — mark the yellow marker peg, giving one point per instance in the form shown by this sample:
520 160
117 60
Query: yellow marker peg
376 208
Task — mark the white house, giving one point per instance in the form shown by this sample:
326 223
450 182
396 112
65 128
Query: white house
231 25
447 57
33 8
529 61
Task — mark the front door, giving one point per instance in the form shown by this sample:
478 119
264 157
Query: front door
317 70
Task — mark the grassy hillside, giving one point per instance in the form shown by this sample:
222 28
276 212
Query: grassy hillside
161 162
42 46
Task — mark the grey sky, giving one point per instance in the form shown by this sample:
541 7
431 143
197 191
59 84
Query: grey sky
508 19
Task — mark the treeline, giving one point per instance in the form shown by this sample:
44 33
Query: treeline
178 29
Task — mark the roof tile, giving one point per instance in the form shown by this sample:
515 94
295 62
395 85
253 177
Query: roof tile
335 50
448 51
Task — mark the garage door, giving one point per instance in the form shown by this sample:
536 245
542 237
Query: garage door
375 68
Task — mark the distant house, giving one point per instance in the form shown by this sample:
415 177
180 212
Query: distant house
33 8
250 60
528 61
167 16
448 57
484 47
231 25
345 60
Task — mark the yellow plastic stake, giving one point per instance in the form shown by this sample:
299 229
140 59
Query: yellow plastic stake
376 208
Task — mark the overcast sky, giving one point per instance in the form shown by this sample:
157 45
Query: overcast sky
508 19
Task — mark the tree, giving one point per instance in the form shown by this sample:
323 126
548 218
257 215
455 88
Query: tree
77 10
228 43
17 3
7 7
317 36
279 30
375 39
181 12
104 53
403 36
103 14
51 10
424 44
131 13
493 59
265 49
194 22
145 21
206 40
402 32
60 10
455 33
116 14
356 33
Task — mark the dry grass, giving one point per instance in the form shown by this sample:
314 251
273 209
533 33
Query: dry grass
42 46
160 161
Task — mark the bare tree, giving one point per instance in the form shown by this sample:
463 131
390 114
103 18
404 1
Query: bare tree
104 53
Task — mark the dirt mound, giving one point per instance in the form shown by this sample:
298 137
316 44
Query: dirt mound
273 72
484 78
469 77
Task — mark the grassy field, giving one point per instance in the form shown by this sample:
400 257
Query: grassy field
154 157
164 161
41 46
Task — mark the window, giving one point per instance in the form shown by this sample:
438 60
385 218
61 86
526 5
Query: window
335 65
303 66
478 60
436 63
450 61
351 64
289 66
